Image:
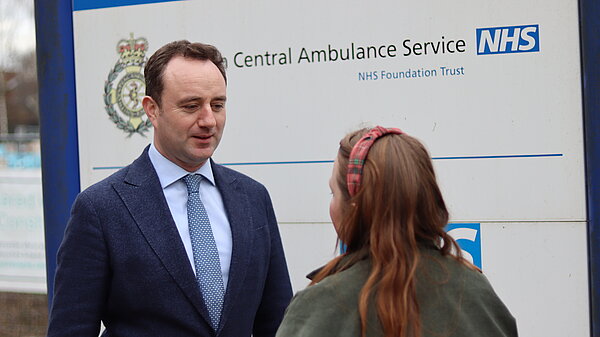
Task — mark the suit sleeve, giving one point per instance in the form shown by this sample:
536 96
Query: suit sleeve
82 275
278 290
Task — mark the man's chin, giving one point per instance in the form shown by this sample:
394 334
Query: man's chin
202 156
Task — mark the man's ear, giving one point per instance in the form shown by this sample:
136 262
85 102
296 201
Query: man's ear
151 108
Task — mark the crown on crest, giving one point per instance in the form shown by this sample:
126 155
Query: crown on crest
132 50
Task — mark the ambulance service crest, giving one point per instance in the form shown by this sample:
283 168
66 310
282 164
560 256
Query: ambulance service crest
125 87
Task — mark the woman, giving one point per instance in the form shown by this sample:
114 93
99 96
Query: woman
401 274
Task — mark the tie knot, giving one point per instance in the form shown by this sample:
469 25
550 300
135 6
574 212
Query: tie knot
192 181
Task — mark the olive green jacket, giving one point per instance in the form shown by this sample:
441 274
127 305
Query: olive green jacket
454 301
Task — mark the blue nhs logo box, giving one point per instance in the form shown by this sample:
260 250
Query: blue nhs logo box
504 40
468 237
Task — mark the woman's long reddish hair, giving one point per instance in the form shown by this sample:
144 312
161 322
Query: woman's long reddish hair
397 209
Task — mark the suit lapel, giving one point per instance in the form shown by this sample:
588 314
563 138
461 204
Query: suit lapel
237 206
143 196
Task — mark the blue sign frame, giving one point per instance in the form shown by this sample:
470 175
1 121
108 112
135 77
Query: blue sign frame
589 12
80 5
58 122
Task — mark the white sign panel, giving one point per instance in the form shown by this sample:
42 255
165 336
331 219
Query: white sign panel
493 89
22 255
494 92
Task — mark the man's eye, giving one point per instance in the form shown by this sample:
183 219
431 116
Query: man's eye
190 107
218 107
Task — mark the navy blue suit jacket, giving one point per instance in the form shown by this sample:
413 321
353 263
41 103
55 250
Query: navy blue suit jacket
122 261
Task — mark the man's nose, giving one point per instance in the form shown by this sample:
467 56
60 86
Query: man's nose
206 117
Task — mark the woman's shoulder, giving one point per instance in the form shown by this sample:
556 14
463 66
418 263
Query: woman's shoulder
436 267
328 308
340 287
453 297
437 270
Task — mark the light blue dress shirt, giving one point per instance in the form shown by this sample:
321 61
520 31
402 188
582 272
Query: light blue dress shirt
175 191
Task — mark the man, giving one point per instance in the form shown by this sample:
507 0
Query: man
148 252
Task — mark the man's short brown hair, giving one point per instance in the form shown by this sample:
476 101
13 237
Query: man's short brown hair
153 72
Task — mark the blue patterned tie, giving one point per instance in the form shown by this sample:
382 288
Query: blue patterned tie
206 256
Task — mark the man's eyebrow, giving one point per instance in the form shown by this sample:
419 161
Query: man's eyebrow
199 99
189 99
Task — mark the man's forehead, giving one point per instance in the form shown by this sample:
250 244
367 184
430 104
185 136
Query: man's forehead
191 79
183 65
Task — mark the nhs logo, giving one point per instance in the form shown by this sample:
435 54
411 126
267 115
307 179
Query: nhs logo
504 40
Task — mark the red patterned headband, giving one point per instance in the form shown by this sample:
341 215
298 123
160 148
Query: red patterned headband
359 152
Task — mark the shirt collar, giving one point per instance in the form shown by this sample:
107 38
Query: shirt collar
169 172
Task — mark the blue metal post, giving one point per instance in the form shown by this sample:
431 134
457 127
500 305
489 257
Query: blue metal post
590 56
58 121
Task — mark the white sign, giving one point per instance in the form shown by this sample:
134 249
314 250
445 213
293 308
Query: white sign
492 89
299 79
22 254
